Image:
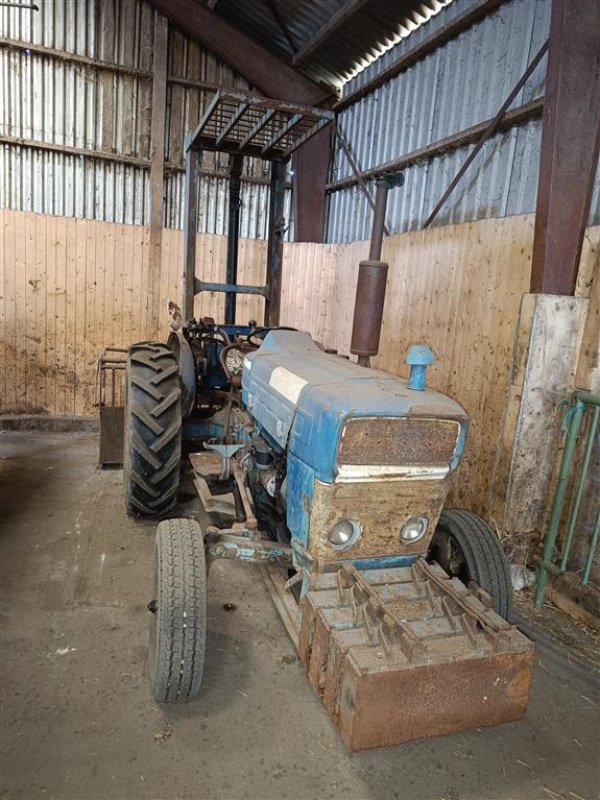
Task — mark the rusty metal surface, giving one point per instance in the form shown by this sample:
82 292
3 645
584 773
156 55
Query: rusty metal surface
383 507
111 435
249 125
110 399
389 673
368 308
568 163
396 441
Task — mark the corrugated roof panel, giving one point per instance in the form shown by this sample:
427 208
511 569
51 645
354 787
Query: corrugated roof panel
369 32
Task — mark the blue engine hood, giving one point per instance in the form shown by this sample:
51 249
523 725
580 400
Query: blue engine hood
301 397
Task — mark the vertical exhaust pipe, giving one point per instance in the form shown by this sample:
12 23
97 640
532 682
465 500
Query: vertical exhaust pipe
372 279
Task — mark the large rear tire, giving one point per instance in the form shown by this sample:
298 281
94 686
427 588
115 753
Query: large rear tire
178 627
467 548
152 447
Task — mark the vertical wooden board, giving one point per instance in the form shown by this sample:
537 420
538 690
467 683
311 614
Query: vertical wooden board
139 309
8 270
296 265
286 284
100 313
327 295
495 274
52 374
311 289
320 290
79 332
29 344
60 282
20 314
300 278
71 376
91 345
151 324
345 292
108 297
118 309
499 480
169 283
129 292
42 376
288 306
251 271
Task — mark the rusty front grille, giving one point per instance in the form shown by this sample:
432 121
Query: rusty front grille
393 441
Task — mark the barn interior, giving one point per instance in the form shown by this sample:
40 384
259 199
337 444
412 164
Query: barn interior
163 160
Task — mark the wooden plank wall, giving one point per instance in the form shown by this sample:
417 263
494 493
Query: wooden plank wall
70 287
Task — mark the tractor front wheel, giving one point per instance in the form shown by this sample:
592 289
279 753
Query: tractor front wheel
152 447
466 547
178 626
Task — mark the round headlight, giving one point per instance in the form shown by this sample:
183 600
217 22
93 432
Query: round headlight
345 534
414 529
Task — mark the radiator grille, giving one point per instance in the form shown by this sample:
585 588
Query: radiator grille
398 441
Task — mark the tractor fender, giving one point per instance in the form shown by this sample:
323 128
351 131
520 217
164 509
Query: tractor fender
187 370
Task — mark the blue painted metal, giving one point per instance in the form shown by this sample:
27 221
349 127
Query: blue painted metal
418 358
253 551
385 562
301 484
302 398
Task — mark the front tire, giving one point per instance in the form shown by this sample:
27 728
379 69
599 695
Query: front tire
152 447
178 627
466 547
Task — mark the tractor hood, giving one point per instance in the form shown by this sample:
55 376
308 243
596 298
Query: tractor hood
302 399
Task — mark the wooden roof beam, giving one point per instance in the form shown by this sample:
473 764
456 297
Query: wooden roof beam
270 74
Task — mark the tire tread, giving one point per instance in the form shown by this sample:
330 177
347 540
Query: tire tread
483 554
176 673
152 430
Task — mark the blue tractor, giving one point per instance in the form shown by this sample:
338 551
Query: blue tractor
332 477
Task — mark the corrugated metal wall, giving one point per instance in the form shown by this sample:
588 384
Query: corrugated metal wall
458 85
64 105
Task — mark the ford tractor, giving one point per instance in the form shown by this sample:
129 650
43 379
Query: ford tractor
330 477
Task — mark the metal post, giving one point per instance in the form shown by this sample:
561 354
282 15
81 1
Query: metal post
570 145
275 245
580 488
546 565
383 187
233 235
190 215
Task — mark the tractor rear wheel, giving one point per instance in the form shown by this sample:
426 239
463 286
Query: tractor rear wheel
467 548
152 447
178 627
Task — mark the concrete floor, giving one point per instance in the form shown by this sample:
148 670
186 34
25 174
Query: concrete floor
77 719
